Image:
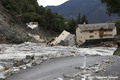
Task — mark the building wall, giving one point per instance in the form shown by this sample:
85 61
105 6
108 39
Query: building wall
110 34
72 42
82 36
62 36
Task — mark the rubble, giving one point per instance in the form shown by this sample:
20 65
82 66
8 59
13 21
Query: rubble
87 72
107 44
36 38
15 57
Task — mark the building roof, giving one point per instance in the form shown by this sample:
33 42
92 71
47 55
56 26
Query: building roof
98 26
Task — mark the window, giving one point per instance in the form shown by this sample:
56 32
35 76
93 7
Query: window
110 34
107 34
80 41
91 31
91 36
108 30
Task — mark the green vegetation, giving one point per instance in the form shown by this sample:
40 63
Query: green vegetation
29 10
117 52
118 41
113 6
118 26
71 25
79 19
82 20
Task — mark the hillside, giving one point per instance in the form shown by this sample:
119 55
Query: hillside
10 31
13 30
24 11
93 9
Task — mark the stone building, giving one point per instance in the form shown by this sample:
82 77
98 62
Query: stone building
95 31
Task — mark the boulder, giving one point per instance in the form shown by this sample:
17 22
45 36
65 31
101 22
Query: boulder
17 63
25 61
1 68
31 57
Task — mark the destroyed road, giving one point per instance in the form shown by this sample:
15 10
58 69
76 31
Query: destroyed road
55 69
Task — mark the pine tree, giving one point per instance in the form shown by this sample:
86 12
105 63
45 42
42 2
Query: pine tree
79 19
72 25
84 20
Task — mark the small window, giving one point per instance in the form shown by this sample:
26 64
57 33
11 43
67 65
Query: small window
91 31
105 30
105 34
110 34
80 41
91 36
110 30
95 33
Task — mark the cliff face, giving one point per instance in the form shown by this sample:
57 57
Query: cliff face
10 31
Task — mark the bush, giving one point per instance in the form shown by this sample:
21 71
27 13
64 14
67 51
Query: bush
117 23
117 52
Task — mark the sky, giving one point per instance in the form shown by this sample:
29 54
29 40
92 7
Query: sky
51 2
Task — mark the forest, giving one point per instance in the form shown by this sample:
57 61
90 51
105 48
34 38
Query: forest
30 11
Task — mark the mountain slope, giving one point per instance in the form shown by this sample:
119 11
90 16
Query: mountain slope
13 30
10 31
93 9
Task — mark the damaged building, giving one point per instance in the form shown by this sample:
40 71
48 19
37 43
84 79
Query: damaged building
92 32
65 38
32 25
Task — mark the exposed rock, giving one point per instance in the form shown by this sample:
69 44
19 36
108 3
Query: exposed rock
13 30
25 61
17 63
30 57
10 30
16 69
29 65
1 68
11 35
16 57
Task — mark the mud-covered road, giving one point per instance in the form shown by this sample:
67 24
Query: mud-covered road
61 68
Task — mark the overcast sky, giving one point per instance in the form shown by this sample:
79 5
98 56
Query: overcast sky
51 2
